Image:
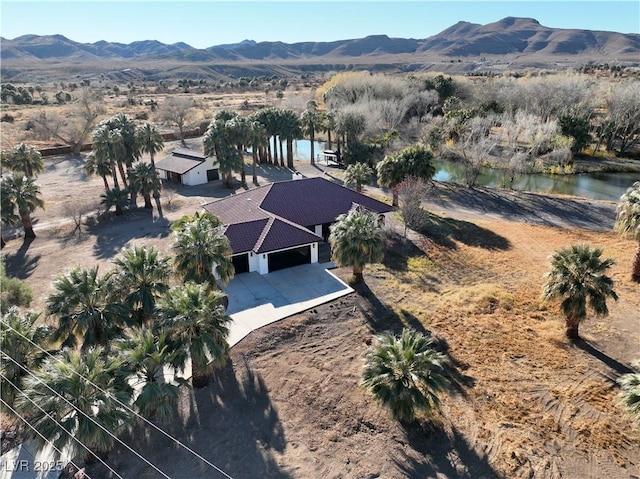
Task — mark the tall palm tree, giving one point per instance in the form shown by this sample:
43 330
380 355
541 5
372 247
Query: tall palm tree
144 180
290 129
20 193
100 165
328 125
106 145
218 141
267 117
117 137
145 355
310 120
139 279
258 140
628 222
77 396
23 158
117 198
414 160
84 309
151 140
202 251
238 133
18 334
196 321
356 240
403 373
578 278
358 174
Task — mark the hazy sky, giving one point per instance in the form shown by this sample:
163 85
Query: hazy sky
205 23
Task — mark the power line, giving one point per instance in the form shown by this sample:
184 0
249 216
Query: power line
57 423
135 413
85 415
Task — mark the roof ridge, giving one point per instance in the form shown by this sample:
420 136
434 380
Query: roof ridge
265 232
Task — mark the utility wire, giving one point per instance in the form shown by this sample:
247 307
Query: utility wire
57 423
84 414
135 413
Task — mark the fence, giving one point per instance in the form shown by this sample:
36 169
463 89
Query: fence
66 150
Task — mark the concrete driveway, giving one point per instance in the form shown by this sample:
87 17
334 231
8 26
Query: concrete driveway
257 300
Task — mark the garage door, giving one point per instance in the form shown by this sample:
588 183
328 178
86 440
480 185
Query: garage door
241 263
213 175
289 258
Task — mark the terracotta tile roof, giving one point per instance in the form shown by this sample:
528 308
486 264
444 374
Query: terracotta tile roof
276 216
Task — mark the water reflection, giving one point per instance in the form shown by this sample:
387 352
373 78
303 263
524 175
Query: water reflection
596 186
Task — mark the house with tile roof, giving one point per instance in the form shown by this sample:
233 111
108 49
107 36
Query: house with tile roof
188 167
281 225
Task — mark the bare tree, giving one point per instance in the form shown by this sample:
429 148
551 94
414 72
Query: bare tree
74 128
77 209
177 111
410 192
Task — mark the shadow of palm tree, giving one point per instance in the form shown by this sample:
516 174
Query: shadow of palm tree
21 264
114 232
610 362
445 231
231 423
442 454
398 250
382 319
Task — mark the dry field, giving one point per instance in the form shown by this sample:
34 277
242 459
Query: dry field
524 403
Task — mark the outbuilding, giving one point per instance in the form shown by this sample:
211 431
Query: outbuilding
188 167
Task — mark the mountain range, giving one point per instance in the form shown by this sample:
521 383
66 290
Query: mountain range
511 43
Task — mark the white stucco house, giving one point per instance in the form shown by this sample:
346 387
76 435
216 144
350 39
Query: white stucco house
281 225
188 167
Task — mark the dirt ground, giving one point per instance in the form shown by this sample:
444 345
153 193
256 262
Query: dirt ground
523 402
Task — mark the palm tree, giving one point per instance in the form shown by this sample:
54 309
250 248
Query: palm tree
21 193
151 140
356 240
258 140
310 120
24 159
18 334
117 198
630 392
139 279
145 355
144 180
403 374
84 309
217 141
202 251
414 160
97 164
196 321
358 174
238 133
577 276
328 125
628 222
79 397
106 145
8 215
290 129
117 138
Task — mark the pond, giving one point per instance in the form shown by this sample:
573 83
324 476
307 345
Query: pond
595 186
